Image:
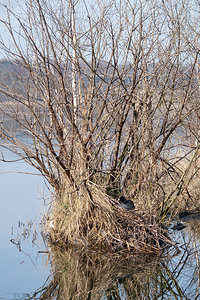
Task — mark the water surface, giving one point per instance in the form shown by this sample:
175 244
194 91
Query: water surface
20 203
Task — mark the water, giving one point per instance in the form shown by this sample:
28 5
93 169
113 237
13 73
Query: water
20 203
83 275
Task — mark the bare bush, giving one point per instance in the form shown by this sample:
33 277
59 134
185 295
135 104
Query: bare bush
107 95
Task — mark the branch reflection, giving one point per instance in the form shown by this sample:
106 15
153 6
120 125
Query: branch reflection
84 276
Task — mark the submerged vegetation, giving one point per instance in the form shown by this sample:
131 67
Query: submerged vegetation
108 97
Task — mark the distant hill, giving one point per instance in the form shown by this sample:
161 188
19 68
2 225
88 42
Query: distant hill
9 77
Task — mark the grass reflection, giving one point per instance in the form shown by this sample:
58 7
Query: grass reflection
84 276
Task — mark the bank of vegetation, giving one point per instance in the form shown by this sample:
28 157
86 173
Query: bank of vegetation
108 97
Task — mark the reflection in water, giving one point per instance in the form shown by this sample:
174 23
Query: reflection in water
82 275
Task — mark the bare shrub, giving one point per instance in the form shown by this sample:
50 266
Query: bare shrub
106 95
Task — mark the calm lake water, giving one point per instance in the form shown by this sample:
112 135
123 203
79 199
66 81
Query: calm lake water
74 275
21 203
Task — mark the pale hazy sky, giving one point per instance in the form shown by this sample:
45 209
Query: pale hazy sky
14 5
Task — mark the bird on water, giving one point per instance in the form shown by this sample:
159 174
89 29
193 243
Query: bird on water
127 204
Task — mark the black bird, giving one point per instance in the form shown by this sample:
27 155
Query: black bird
128 204
178 226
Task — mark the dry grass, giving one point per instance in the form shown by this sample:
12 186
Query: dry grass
183 187
101 224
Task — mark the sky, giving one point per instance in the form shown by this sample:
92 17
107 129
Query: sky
14 5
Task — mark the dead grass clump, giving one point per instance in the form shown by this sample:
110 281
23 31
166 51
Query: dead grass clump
93 219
